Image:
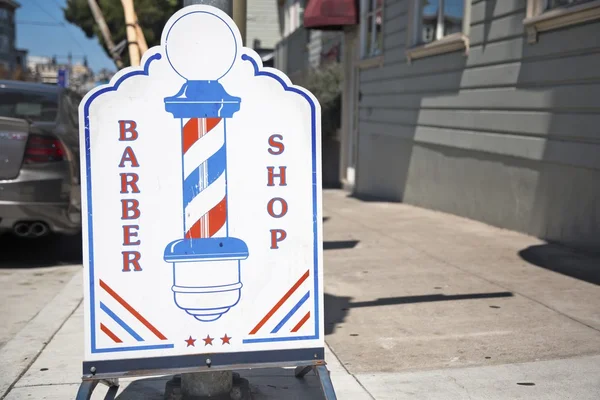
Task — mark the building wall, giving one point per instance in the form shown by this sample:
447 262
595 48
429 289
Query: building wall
291 54
262 23
7 36
507 134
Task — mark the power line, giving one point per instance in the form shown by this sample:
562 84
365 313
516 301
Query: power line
60 23
39 23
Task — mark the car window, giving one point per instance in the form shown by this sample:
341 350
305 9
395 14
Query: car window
72 101
36 106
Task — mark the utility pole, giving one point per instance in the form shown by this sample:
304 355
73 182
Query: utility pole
99 17
143 46
239 17
132 40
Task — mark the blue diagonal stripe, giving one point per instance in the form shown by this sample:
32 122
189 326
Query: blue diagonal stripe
121 322
292 312
215 165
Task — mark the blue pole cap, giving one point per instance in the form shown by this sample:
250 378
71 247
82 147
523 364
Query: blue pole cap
206 249
202 99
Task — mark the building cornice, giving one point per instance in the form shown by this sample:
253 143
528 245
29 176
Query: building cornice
10 3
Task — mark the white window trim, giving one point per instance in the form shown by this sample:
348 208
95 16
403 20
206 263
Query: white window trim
538 20
292 11
364 16
458 41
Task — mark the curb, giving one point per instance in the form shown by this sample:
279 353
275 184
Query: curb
345 384
22 350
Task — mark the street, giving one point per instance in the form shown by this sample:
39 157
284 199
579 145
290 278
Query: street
419 305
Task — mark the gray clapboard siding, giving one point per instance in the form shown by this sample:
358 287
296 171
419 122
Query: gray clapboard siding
553 44
565 98
314 46
575 69
525 147
579 127
497 29
393 10
499 134
396 24
391 42
262 23
496 9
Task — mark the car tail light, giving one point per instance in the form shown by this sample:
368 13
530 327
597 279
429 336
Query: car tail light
42 149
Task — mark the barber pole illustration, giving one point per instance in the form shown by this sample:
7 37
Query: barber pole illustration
203 106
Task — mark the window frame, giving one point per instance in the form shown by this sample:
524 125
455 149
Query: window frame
293 16
458 41
541 19
365 13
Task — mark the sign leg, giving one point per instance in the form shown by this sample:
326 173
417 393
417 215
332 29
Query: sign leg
87 388
326 383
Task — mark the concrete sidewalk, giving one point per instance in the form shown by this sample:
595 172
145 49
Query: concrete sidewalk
419 305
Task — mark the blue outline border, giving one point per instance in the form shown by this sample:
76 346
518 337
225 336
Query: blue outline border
313 128
145 72
88 169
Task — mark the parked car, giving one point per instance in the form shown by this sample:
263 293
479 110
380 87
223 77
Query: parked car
39 159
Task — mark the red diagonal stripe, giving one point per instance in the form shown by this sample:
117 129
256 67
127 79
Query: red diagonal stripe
192 130
110 334
302 322
216 218
280 303
132 310
190 133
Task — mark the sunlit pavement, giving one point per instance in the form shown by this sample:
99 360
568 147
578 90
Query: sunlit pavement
419 305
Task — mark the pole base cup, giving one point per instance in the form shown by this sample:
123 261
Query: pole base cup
206 275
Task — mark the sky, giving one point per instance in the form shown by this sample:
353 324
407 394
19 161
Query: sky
43 30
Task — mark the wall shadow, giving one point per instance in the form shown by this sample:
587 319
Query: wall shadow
565 261
47 251
559 68
337 307
389 114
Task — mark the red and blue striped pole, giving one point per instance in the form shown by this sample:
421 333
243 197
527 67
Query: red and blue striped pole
206 260
205 178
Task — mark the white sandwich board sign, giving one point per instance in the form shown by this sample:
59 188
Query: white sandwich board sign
201 176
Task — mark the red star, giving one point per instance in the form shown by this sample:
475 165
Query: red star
225 339
208 340
190 342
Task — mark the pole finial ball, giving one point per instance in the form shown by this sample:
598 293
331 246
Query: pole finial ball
206 57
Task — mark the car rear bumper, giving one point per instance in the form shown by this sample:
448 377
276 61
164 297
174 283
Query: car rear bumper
44 193
59 217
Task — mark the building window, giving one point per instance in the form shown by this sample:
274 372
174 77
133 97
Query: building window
437 26
293 15
439 18
5 15
4 43
546 15
371 28
551 4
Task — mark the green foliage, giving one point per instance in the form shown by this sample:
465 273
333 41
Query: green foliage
152 16
326 84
